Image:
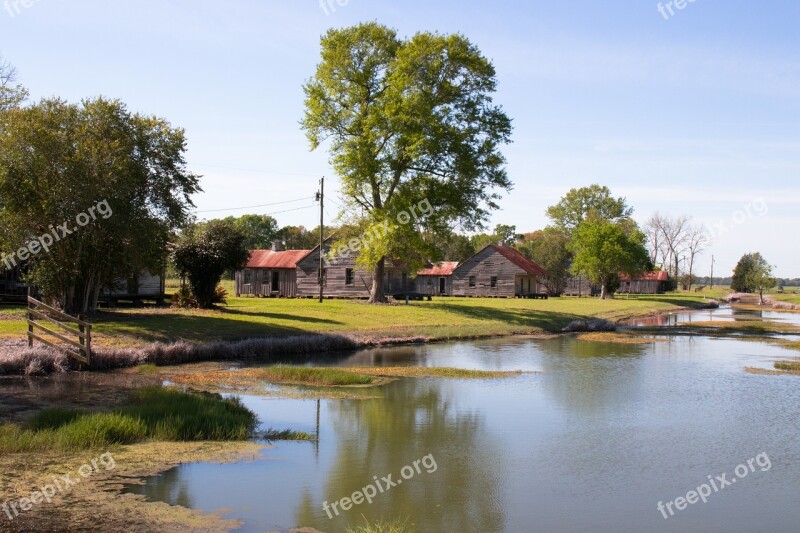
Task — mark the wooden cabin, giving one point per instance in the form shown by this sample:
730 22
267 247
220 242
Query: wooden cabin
143 285
436 280
343 279
656 282
498 271
270 273
579 286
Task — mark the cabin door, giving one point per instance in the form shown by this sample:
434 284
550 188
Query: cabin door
276 281
442 285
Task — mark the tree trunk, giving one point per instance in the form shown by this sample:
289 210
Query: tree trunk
603 292
378 294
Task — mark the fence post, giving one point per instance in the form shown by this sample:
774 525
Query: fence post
30 326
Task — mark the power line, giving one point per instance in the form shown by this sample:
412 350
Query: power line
255 206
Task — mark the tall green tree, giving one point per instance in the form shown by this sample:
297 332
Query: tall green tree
58 160
204 252
259 230
408 120
586 203
604 250
753 274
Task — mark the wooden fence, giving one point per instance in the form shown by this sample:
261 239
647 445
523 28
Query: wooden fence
39 314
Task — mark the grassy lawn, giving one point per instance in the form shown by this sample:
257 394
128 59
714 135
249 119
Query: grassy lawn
441 318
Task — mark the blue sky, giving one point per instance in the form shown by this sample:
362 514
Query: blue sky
696 114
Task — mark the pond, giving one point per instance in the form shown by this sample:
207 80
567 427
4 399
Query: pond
591 443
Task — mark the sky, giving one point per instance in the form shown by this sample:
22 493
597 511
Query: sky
692 113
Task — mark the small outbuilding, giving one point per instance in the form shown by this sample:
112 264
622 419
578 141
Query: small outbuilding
437 279
656 282
498 271
270 273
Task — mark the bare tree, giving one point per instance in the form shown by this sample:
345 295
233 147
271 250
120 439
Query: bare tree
10 94
667 237
696 242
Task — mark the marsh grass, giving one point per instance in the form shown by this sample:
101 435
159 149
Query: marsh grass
788 366
434 372
318 376
147 369
381 526
153 414
287 434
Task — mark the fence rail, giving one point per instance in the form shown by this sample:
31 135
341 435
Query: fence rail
42 319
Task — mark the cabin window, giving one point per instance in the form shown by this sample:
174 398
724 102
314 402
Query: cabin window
472 281
493 282
348 276
248 276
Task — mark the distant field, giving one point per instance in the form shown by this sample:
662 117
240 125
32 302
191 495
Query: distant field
441 318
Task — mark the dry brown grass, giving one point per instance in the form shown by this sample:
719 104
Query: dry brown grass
626 337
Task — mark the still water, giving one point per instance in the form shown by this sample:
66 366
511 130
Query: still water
592 442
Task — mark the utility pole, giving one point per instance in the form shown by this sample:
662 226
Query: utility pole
321 198
712 272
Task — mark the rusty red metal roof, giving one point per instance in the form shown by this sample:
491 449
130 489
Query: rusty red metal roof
518 259
271 259
444 268
657 275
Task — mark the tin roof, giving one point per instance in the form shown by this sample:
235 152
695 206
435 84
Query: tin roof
444 268
271 259
657 275
518 259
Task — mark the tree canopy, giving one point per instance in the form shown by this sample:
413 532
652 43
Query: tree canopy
752 274
604 250
58 160
585 203
408 120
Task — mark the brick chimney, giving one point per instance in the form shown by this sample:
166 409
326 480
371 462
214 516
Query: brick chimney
277 246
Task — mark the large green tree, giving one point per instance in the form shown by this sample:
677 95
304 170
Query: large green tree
753 274
58 161
604 250
259 230
408 120
584 203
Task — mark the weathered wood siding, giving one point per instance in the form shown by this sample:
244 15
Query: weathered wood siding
431 285
258 282
486 264
580 287
143 284
641 286
483 266
335 278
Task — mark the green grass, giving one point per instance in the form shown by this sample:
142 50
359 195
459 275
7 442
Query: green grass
381 526
287 434
326 377
147 369
789 366
443 318
154 414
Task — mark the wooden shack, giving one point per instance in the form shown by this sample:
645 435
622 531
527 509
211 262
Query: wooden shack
437 279
656 282
143 285
270 273
498 271
580 286
343 279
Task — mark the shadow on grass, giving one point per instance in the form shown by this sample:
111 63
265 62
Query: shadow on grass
179 326
281 316
545 320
